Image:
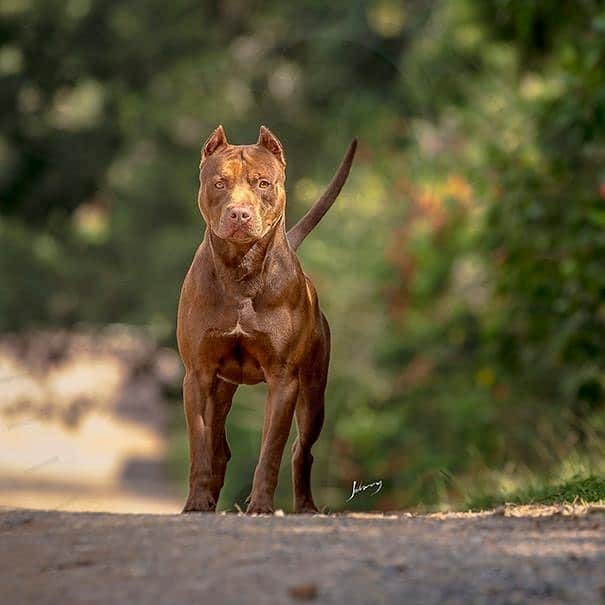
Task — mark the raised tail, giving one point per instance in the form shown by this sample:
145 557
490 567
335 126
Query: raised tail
306 224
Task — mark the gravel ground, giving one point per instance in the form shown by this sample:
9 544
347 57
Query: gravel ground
512 555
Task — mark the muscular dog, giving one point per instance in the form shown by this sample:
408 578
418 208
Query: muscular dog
248 314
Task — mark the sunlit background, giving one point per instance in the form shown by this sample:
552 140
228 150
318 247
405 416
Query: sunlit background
462 269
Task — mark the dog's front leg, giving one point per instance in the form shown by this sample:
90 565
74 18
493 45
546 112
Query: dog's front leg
200 408
283 391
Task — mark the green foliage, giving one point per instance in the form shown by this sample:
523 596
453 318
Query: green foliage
578 490
461 269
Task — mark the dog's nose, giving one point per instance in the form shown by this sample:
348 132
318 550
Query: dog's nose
239 215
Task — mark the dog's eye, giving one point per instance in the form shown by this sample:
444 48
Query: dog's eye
264 183
220 184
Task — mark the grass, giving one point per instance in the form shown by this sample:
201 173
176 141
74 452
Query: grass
576 490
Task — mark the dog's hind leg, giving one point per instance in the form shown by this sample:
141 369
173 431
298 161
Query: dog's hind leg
309 421
222 452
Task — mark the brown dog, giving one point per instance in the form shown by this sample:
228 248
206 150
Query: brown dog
249 314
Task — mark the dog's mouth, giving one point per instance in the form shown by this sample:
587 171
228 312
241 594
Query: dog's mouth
243 231
241 234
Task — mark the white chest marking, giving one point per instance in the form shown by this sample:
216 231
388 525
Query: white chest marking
238 330
245 309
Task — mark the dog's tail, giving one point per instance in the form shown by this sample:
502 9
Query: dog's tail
306 224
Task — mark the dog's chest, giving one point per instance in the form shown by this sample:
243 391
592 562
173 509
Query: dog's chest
241 362
246 319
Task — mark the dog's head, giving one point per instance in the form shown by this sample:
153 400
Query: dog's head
242 194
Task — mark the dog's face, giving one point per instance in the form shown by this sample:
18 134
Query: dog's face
242 194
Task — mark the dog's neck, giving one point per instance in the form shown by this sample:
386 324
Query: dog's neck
240 267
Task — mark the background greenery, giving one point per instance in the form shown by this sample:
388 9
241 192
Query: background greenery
462 269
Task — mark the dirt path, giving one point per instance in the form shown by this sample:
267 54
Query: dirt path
511 556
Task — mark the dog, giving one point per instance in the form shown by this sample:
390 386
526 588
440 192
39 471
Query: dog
247 314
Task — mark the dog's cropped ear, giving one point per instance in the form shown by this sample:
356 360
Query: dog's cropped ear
268 140
214 142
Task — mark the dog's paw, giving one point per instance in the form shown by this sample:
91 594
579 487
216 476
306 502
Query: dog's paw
200 503
259 508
